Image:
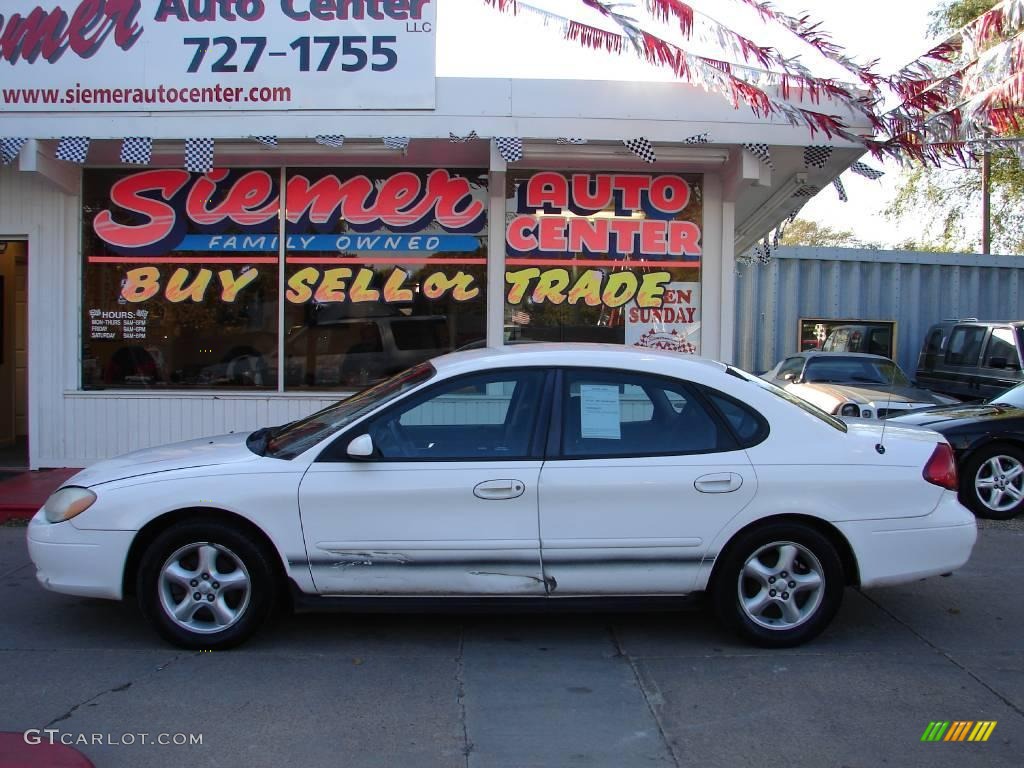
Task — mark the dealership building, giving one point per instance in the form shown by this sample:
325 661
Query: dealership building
210 225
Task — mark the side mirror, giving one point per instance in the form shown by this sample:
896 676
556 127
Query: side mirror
998 362
360 448
789 377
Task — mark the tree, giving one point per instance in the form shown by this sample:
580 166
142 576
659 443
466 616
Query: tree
947 200
811 233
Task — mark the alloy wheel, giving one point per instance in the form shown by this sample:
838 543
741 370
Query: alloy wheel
999 483
781 585
204 587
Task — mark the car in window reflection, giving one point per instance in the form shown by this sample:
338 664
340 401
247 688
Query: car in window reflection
352 353
852 385
525 475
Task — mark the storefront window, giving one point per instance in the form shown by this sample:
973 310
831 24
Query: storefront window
384 269
605 257
180 279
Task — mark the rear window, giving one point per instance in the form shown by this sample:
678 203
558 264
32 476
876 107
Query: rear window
417 333
934 344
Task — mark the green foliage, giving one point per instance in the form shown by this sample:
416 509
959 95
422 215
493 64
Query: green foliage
953 14
811 233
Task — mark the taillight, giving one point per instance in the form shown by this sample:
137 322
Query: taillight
941 468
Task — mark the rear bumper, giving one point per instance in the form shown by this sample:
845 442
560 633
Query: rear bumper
78 562
896 551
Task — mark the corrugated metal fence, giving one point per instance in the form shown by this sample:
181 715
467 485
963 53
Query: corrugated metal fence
914 289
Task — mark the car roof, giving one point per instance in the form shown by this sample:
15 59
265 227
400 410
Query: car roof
972 321
545 354
818 353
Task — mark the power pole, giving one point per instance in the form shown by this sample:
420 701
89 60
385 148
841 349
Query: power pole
986 195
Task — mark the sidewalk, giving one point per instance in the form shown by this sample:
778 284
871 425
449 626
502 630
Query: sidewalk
22 495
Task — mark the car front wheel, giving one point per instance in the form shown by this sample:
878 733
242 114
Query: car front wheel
779 585
206 586
992 484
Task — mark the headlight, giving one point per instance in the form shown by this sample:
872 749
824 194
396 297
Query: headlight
849 410
68 502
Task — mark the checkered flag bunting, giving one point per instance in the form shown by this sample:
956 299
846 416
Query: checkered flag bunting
807 192
510 148
461 139
642 148
817 156
397 142
199 155
10 148
565 140
840 189
863 169
760 151
337 141
698 138
266 141
73 149
137 150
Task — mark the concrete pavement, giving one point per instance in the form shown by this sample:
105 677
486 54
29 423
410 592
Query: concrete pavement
613 690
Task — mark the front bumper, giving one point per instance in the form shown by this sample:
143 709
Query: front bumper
78 562
895 551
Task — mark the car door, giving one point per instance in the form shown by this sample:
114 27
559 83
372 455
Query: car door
641 476
447 502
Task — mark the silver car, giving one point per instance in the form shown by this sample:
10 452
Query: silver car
852 384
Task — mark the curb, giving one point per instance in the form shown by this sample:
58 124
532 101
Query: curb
16 513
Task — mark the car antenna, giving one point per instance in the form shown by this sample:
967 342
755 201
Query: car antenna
880 445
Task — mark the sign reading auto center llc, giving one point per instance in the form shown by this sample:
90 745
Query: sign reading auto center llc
674 326
208 55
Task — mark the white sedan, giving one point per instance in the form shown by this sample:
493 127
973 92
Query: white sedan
539 472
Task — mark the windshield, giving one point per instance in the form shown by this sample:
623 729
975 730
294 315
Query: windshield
854 370
1013 396
803 405
290 440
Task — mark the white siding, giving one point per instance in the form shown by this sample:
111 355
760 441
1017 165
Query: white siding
99 425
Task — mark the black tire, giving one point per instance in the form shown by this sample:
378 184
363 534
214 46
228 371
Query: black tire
969 476
820 606
232 549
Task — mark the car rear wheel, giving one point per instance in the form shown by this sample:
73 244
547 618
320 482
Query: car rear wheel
992 484
779 585
206 586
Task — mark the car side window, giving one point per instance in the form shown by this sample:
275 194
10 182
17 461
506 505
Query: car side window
608 414
1001 344
794 365
749 426
488 416
965 345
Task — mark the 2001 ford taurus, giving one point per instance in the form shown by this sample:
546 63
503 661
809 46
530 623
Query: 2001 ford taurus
531 473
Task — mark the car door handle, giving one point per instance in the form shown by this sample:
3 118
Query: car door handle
499 489
721 482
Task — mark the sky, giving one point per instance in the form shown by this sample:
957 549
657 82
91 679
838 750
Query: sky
893 31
